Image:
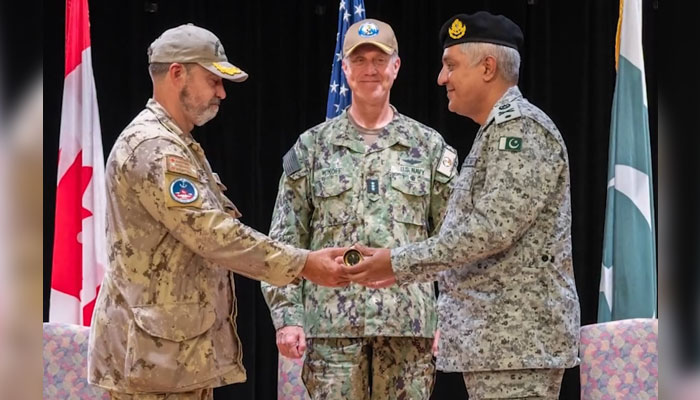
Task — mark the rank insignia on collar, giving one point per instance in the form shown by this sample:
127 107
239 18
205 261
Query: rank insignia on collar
506 112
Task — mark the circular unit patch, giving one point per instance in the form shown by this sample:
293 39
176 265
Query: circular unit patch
368 29
183 191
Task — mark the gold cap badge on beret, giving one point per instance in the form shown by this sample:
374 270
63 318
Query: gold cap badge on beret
352 257
484 27
457 29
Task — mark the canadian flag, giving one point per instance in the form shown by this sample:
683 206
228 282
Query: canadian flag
79 249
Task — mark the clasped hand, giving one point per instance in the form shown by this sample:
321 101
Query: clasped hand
325 267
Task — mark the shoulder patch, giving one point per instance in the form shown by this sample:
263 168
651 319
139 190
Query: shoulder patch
180 165
290 162
506 112
510 143
182 192
447 163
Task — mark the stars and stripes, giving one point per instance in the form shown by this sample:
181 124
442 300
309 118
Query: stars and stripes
339 94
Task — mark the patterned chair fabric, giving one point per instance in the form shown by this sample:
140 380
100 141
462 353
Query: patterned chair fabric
289 383
619 360
65 363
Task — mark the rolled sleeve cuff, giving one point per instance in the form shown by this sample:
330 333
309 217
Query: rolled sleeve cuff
289 317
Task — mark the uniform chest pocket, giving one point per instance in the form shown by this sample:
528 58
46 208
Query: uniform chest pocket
331 186
161 342
410 193
333 200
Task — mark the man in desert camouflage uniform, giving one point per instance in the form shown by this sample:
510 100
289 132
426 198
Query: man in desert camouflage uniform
371 176
508 308
165 320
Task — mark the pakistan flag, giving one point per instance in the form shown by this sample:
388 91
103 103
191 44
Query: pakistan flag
628 276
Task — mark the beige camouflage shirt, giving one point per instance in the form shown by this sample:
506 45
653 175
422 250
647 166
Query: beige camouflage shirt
503 256
336 191
165 317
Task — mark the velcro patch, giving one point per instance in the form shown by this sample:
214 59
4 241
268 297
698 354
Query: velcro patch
182 192
373 186
506 112
180 165
447 162
290 162
510 143
410 170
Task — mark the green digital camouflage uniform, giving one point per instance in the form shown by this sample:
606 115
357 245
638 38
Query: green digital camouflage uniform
336 192
503 257
165 317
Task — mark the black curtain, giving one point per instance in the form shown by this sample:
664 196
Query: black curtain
568 70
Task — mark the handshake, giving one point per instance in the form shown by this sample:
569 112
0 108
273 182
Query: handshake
338 266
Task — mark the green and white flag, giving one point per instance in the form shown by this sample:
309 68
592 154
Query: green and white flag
628 276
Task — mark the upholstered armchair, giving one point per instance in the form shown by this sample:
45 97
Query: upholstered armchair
619 360
65 363
289 383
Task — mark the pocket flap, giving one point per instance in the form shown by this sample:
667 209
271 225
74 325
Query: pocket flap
415 185
177 321
332 186
409 215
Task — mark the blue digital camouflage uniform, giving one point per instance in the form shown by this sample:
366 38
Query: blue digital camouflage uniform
337 192
503 256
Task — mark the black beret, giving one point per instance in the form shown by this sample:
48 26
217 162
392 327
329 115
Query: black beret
481 26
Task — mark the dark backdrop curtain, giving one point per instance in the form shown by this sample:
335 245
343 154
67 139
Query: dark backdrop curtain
568 70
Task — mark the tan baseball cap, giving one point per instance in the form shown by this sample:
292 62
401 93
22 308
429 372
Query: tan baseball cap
370 31
191 44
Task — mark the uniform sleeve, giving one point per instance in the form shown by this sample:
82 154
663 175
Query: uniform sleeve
516 186
442 188
198 221
290 224
440 195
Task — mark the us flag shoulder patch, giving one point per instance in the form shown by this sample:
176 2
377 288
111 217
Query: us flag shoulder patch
290 162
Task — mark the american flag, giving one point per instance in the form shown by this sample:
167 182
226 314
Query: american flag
339 95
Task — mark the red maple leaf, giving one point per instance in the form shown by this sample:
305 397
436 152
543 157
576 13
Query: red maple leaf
67 270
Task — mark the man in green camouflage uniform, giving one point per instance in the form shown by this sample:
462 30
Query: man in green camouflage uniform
165 319
508 307
371 176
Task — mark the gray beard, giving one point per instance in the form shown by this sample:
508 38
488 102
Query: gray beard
200 115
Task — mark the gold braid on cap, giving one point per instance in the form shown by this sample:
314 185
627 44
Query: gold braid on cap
227 70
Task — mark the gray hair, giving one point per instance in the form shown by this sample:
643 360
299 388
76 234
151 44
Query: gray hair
507 58
157 70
